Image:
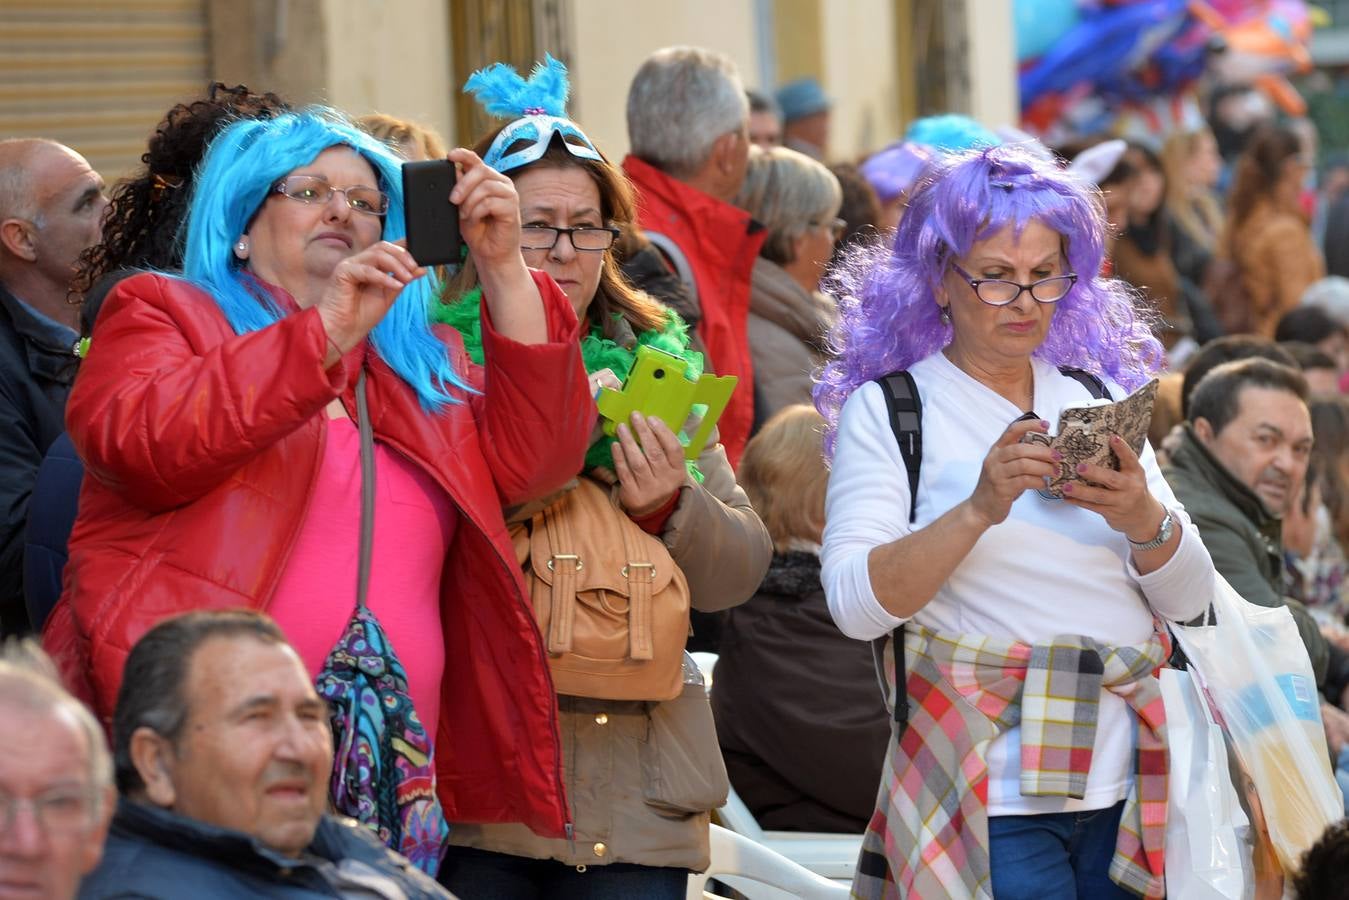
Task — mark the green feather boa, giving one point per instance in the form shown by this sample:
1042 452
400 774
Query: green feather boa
597 351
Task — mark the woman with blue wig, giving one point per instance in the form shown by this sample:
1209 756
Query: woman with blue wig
242 423
1032 760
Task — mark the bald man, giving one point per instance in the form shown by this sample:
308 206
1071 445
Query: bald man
51 204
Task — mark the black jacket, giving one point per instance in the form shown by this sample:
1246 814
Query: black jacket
51 516
789 693
153 853
1336 241
56 494
37 367
649 273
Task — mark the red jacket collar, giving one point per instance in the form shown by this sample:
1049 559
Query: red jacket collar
666 203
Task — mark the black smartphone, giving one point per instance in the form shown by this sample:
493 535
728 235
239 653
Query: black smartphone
432 221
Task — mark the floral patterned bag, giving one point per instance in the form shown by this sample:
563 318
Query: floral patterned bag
383 771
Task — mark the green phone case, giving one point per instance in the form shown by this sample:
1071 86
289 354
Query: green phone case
659 386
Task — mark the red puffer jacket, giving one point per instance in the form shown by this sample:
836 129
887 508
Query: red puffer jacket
202 449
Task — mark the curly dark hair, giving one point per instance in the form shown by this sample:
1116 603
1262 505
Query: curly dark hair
140 227
1323 866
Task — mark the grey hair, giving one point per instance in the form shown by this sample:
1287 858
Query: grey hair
681 100
18 200
787 192
28 679
1331 294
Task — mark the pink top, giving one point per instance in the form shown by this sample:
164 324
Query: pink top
414 522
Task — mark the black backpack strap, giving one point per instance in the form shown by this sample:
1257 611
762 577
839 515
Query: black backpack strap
905 407
901 674
1094 385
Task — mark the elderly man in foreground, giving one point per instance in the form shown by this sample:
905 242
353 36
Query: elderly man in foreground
56 792
223 755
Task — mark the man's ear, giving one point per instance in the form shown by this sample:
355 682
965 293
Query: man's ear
724 154
1203 429
19 238
152 755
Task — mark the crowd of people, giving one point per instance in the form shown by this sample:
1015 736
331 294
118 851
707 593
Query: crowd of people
345 588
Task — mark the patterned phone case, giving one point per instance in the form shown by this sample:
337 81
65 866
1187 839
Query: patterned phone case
1084 435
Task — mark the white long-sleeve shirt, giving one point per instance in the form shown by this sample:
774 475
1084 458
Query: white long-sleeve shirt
1049 569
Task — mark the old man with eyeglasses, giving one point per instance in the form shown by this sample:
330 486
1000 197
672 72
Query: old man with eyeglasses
56 793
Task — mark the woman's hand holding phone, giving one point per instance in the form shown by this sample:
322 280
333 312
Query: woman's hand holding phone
649 463
1122 498
362 288
489 222
489 211
1012 467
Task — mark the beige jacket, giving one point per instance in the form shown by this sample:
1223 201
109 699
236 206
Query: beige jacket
1278 260
638 794
787 327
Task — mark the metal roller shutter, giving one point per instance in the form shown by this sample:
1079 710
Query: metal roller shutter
98 75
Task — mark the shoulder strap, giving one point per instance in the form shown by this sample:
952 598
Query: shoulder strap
905 407
367 492
1094 385
678 261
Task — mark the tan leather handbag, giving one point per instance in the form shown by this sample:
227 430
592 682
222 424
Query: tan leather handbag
610 602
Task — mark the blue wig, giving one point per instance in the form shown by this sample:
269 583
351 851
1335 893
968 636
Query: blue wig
951 133
235 177
888 314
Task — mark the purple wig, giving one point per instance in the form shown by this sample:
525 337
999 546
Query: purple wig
888 315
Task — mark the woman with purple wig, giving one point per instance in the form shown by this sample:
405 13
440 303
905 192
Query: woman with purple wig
1032 761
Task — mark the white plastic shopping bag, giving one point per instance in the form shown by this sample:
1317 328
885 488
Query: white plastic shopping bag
1208 851
1254 666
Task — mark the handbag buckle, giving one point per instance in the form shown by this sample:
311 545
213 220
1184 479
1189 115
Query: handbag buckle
651 567
571 556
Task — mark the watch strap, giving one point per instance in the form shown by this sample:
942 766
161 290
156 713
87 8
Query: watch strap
1164 532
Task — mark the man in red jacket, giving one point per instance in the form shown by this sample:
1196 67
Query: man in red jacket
688 124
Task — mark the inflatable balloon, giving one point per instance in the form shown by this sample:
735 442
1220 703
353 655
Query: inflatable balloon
1124 63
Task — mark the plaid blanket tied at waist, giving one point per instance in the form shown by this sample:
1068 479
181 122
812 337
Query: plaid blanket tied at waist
928 838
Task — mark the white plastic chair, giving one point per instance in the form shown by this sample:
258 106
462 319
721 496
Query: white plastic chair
759 873
827 854
706 663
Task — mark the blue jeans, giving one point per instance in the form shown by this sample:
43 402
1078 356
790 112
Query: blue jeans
1056 856
484 875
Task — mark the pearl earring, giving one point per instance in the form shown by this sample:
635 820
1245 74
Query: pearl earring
946 315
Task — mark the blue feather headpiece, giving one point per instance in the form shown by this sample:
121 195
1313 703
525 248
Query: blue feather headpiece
539 108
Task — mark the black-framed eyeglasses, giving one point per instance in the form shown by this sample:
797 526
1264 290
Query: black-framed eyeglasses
585 237
62 810
1000 292
316 189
